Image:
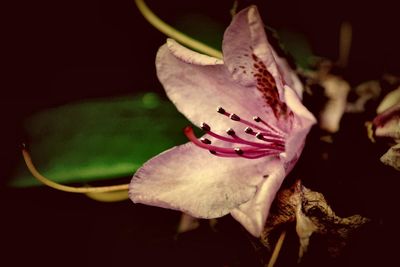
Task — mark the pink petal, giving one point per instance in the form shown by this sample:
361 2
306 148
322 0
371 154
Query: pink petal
302 123
244 40
253 214
189 56
192 180
289 76
197 87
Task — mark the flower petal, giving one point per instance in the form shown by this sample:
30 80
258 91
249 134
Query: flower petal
253 214
194 181
253 62
389 100
198 89
245 38
189 56
392 157
302 123
289 76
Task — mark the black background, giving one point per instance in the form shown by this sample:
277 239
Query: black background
60 51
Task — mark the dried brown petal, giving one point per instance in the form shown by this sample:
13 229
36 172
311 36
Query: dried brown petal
312 215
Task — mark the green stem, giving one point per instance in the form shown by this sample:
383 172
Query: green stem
66 188
173 33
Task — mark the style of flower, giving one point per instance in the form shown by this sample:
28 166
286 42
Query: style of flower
249 106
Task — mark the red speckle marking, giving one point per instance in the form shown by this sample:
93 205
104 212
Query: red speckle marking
267 86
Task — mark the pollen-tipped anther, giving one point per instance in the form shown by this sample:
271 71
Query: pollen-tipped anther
221 110
248 130
230 132
205 127
256 119
212 152
260 136
238 151
205 141
234 117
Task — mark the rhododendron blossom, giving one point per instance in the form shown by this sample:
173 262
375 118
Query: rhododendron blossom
249 106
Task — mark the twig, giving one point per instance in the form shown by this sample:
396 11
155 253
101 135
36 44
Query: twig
173 33
345 40
277 248
66 188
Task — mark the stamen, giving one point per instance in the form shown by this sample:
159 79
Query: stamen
252 150
238 151
256 119
272 131
237 140
280 141
230 132
259 136
272 128
205 140
273 139
205 127
248 130
221 110
234 117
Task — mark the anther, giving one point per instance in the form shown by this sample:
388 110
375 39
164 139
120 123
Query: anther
221 110
212 152
238 151
248 130
205 127
205 141
230 132
256 119
234 117
260 136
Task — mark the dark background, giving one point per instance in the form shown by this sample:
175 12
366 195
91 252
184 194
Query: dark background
60 51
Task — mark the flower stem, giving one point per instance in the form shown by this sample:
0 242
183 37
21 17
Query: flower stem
113 196
173 33
277 248
65 188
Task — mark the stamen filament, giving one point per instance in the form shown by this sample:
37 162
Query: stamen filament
247 156
276 140
237 140
253 151
272 131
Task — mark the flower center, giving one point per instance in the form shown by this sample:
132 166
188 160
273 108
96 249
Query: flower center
270 140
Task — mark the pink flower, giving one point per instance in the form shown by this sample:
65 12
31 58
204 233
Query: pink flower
249 105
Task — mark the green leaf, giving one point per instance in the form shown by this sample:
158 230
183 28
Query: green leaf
99 139
201 28
297 45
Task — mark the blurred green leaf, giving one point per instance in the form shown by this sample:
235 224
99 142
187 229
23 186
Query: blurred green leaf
201 28
99 139
297 45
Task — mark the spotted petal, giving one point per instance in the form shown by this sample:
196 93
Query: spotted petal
197 85
192 180
244 41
